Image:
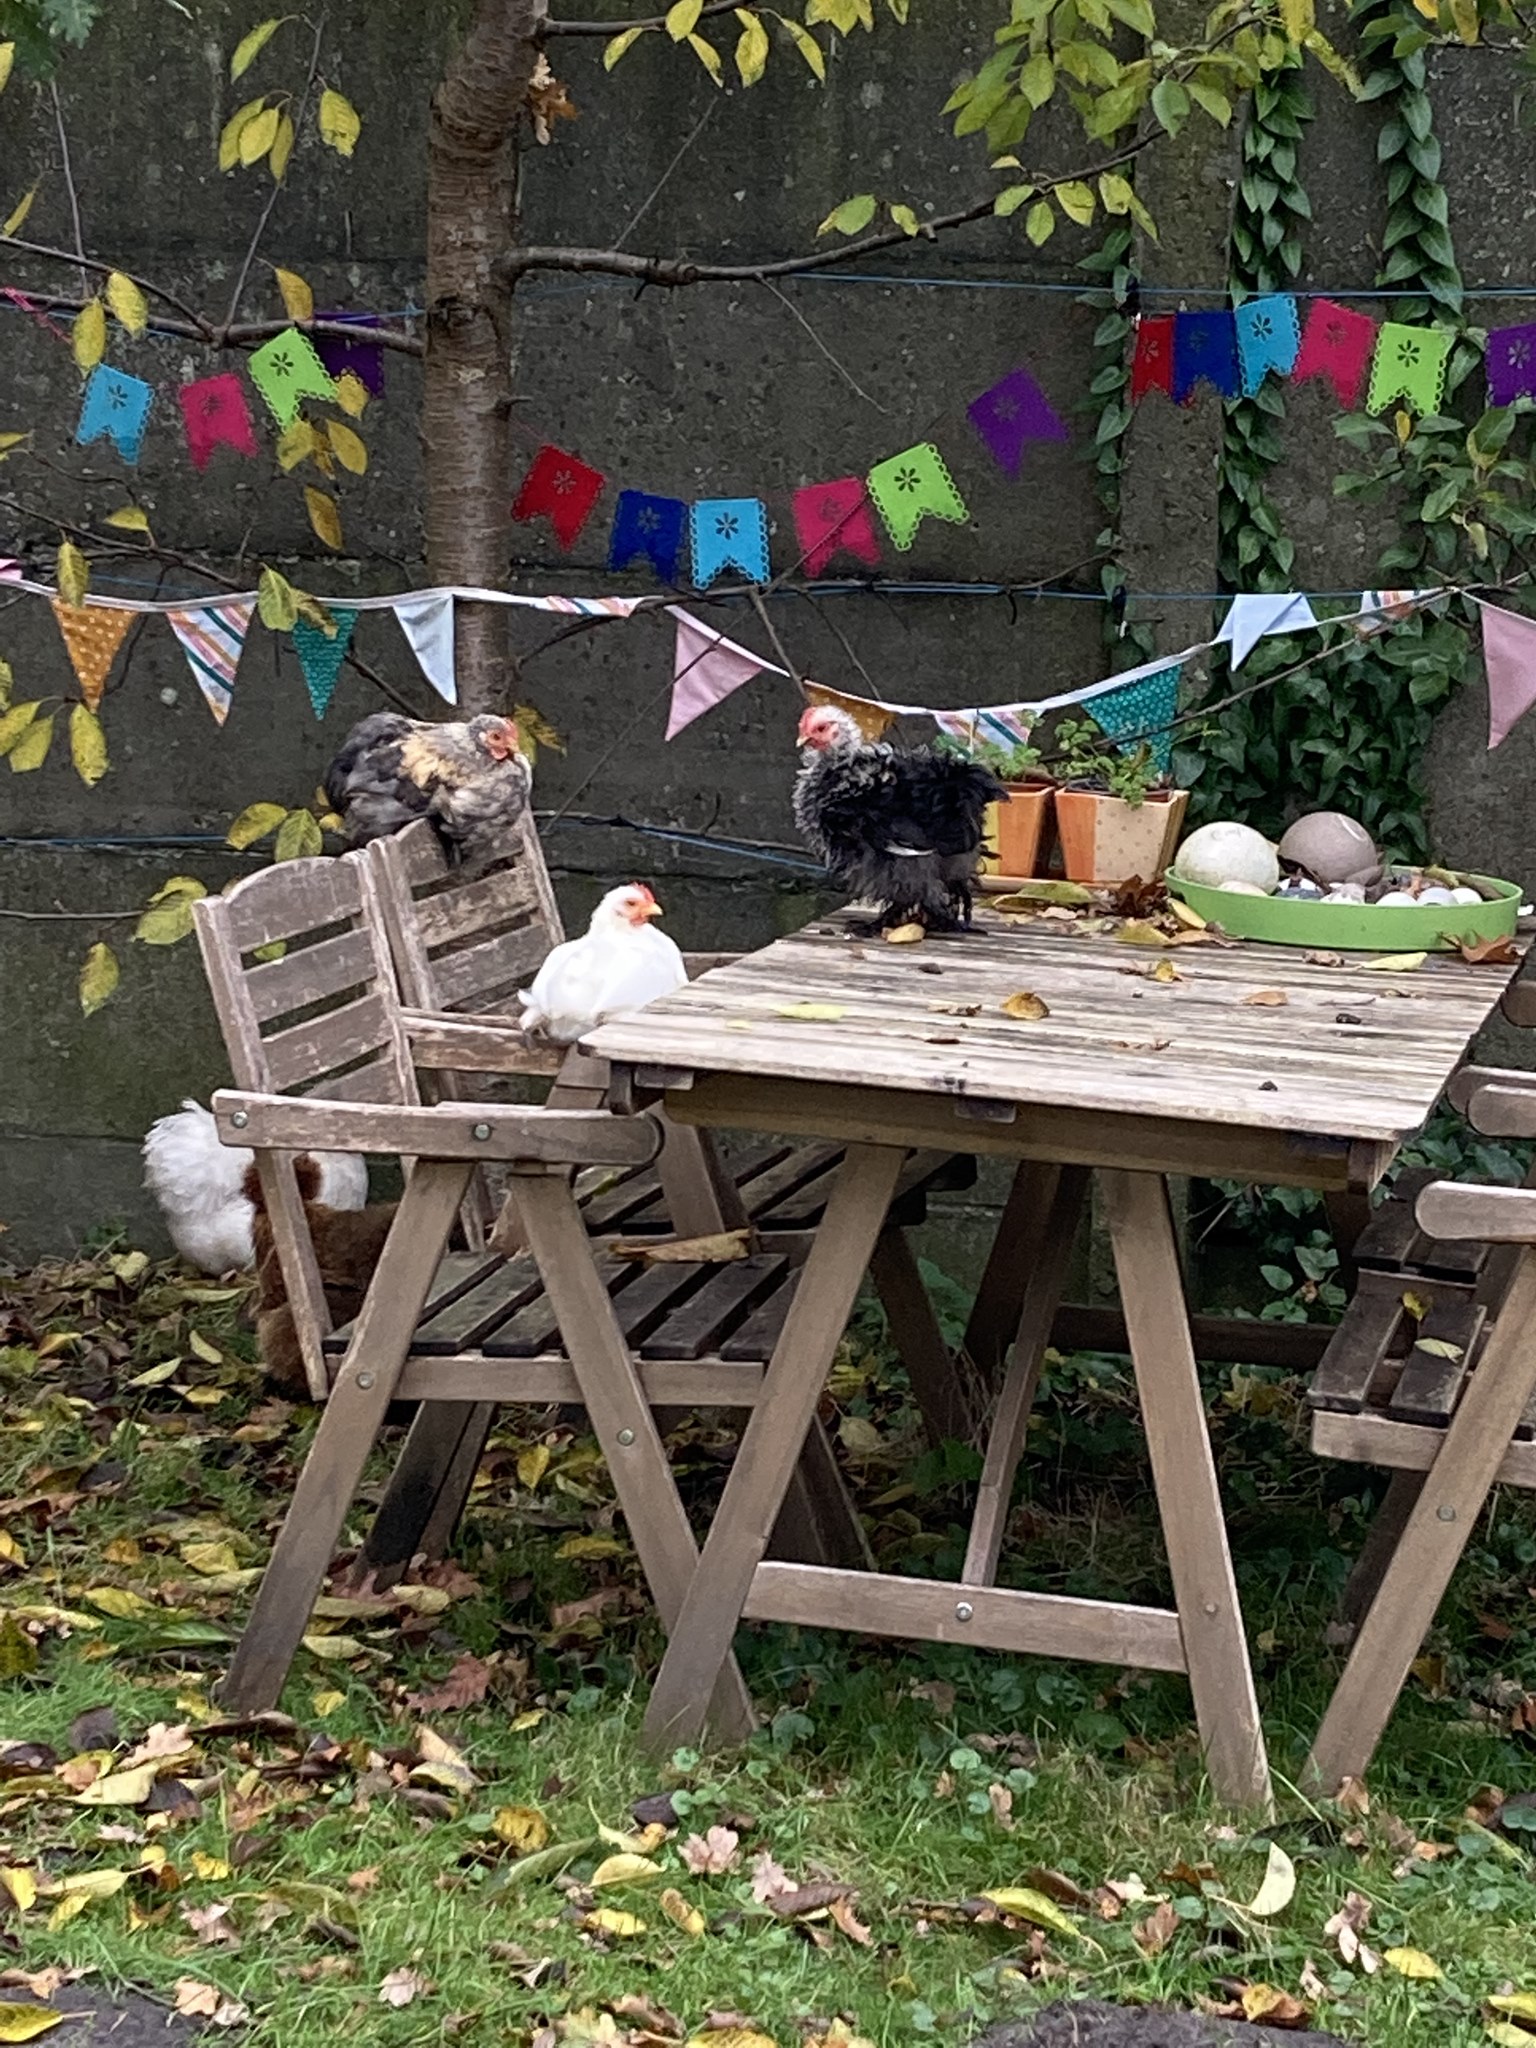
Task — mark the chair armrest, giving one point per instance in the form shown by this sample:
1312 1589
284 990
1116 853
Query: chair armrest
1462 1209
1466 1081
1504 1109
444 1130
1518 1001
478 1045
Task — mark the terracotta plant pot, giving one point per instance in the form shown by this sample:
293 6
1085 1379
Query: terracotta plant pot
1105 839
1014 831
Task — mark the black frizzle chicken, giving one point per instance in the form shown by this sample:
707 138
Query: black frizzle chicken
900 830
467 777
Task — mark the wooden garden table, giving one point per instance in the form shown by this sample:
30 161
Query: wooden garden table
1128 1077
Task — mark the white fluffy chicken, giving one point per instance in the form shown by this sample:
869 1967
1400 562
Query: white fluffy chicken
197 1183
620 963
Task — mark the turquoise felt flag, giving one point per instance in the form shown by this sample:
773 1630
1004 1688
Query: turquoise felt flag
321 657
1145 709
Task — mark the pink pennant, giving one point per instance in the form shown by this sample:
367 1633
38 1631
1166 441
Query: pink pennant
705 670
1509 658
216 416
833 519
1336 345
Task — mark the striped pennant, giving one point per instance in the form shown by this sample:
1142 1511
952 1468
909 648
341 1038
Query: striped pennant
211 637
1001 726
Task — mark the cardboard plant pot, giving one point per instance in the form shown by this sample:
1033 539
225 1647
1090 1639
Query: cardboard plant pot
1014 831
1105 839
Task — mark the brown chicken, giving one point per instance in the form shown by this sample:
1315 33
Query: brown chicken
467 777
347 1246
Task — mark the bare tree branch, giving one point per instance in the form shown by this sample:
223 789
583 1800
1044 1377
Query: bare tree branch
683 270
84 262
617 28
69 180
196 327
266 211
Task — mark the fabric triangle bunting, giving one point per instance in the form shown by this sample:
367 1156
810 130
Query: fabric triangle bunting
912 486
873 720
321 657
212 636
1409 364
1509 658
427 622
1204 351
706 669
1152 359
1011 415
1254 615
92 634
1143 712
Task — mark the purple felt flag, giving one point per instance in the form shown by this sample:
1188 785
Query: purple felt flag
1011 415
365 359
1511 363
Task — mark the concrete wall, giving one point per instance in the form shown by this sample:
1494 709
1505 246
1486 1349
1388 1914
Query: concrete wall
712 391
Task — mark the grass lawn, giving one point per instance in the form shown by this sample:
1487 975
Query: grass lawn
442 1842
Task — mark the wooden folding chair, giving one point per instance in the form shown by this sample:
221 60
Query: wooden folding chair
565 1337
1432 1374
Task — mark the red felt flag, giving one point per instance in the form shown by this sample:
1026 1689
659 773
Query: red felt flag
561 489
1152 362
1336 345
216 416
833 519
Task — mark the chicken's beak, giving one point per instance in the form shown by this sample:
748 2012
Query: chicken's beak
803 731
501 746
647 910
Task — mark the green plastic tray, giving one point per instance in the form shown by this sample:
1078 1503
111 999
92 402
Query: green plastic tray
1355 927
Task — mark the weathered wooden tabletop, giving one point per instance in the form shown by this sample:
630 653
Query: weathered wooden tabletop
1352 1052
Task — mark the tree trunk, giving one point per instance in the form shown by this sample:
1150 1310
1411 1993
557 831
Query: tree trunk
467 393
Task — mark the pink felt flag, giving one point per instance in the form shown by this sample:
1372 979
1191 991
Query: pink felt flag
833 519
216 416
1509 658
706 668
1336 345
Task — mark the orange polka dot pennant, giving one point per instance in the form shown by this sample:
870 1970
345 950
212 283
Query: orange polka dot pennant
93 635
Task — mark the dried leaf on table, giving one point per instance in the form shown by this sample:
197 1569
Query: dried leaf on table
1025 1007
1394 963
1138 932
1437 1347
811 1013
905 935
1266 999
1187 914
1032 895
956 1009
1142 1045
1499 952
1165 971
715 1250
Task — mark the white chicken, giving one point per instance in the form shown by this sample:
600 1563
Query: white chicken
620 963
197 1183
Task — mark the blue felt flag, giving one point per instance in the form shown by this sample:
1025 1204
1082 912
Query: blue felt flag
1268 338
650 527
1204 346
115 408
729 533
321 657
1146 709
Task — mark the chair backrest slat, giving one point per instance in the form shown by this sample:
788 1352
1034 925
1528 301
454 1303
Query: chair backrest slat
488 976
276 988
490 904
322 1045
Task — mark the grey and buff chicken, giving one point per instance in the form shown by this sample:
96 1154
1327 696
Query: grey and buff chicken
900 830
467 777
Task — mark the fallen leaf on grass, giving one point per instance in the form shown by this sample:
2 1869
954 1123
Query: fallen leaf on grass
1265 2005
905 935
1000 1799
731 2037
210 1924
1022 1902
1394 963
26 2022
120 1788
1278 1888
1520 2005
712 1854
1025 1007
164 1740
1266 999
681 1914
465 1686
1412 1962
22 1886
625 1869
1352 1797
802 1899
403 1986
769 1879
715 1250
1057 1885
196 2000
1346 1928
608 1920
522 1828
1505 2034
1155 1932
546 1862
848 1922
811 1013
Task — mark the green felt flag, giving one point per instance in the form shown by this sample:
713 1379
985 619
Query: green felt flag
912 485
1409 364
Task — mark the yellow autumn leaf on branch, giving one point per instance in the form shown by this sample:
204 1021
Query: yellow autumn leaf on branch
323 515
73 574
89 335
7 59
807 45
298 836
23 207
282 147
683 18
298 299
31 750
99 974
352 394
614 49
128 519
258 136
251 45
254 823
296 443
277 602
127 302
708 56
87 745
14 723
752 47
340 124
350 450
233 129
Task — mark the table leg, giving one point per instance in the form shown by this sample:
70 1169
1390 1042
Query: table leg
1184 1474
1044 1285
427 1489
624 1426
995 1315
349 1424
935 1378
1433 1539
701 1642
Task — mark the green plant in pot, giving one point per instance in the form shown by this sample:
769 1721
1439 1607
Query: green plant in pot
1115 815
1017 829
